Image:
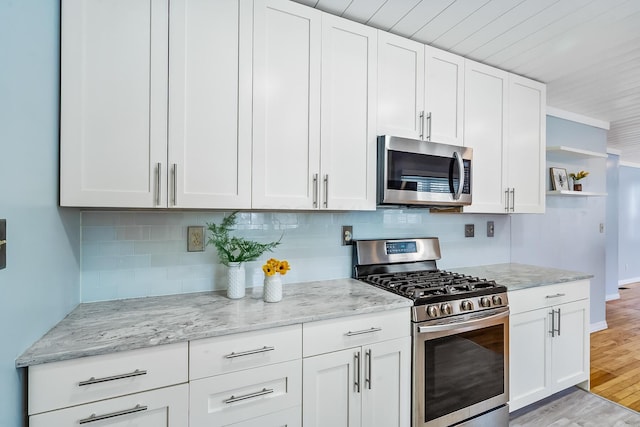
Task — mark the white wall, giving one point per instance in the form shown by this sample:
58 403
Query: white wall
629 225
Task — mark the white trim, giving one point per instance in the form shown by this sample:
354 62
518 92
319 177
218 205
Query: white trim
628 281
575 117
629 164
614 151
612 297
600 326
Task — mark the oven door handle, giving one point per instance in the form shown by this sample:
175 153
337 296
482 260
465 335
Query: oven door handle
504 312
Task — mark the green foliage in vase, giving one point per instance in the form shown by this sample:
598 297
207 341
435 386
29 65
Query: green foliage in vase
235 249
579 175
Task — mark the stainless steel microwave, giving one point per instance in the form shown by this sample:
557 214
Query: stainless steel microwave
414 172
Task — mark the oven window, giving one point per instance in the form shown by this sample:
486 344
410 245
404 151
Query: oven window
463 369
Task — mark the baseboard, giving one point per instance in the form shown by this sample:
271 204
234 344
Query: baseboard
600 326
628 281
612 297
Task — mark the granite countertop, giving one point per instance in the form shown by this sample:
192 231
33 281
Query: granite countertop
521 276
111 326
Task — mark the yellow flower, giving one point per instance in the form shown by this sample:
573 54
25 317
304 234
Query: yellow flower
283 267
273 266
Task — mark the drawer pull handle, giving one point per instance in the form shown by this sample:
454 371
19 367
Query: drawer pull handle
94 417
249 352
94 380
262 392
555 296
364 331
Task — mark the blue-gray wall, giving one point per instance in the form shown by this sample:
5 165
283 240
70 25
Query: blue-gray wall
41 282
568 235
612 228
629 222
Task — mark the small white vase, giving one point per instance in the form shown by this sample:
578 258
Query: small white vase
272 291
235 276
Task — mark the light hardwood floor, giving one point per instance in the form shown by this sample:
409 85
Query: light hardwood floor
615 352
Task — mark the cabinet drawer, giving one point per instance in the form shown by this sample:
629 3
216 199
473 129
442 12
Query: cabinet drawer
73 382
288 418
546 296
236 352
337 334
165 407
242 395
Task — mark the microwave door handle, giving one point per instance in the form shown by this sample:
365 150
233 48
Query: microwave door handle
458 157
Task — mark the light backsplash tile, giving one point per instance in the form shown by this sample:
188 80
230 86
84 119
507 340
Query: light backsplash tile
141 253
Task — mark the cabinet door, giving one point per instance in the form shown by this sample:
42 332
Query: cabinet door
348 128
209 112
286 103
113 150
400 86
529 357
386 395
331 389
484 130
570 349
444 96
164 407
526 144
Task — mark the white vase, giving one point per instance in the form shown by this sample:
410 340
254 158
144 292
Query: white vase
272 291
235 282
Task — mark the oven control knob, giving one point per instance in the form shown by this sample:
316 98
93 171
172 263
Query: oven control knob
466 305
485 302
432 311
497 300
446 308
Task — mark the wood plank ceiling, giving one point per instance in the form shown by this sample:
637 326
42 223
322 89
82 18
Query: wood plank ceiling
587 51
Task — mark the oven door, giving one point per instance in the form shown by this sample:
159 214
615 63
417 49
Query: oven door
461 367
412 172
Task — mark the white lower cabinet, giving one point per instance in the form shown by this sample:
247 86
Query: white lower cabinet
358 385
549 341
165 407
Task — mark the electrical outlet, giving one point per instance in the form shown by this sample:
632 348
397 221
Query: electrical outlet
490 229
195 239
3 243
469 230
601 227
347 235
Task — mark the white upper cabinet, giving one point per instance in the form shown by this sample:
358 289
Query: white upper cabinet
444 96
485 132
134 137
209 158
400 86
348 115
298 51
527 143
114 103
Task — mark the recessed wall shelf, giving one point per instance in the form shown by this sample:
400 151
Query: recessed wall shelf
575 193
562 151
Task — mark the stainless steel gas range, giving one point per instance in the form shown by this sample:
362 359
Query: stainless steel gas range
460 332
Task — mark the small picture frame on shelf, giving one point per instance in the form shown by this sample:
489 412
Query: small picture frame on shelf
559 179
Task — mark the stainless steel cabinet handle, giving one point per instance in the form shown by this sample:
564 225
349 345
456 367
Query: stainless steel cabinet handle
94 380
558 322
428 138
506 200
315 190
158 173
364 331
553 323
368 360
326 191
248 352
513 200
555 296
262 392
356 372
175 184
94 417
421 115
